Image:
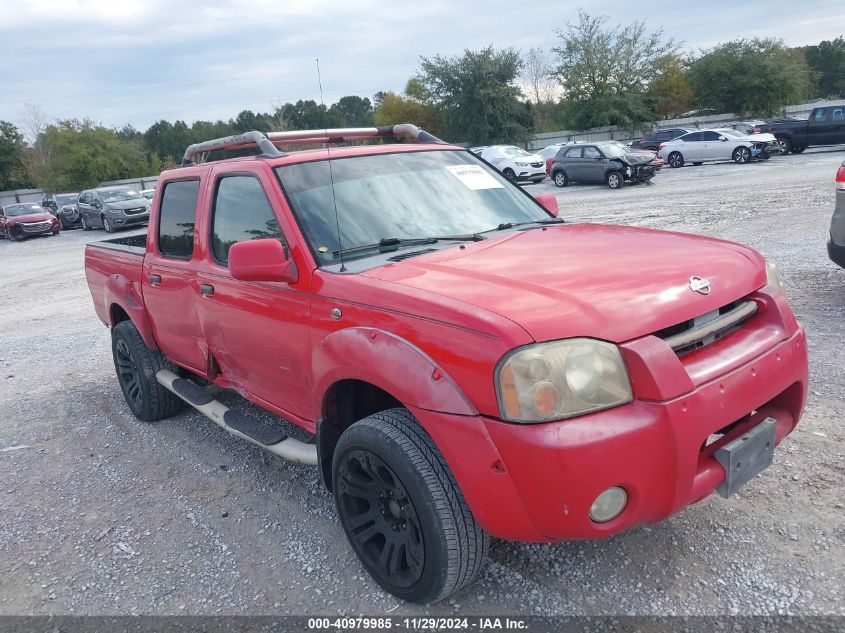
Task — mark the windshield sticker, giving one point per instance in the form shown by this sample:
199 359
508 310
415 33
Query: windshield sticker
474 177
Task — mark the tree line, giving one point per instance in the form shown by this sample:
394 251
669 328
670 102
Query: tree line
597 74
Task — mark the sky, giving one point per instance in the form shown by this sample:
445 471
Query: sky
135 62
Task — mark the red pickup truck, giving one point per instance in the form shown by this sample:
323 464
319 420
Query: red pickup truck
468 363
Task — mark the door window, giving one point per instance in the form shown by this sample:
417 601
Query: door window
177 218
691 137
241 212
591 152
839 114
573 152
820 115
710 136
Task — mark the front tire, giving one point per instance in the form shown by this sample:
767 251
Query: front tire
742 155
84 224
676 160
561 179
136 366
510 175
615 180
107 227
402 510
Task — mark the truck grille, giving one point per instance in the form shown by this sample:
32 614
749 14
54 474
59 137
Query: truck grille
36 227
708 328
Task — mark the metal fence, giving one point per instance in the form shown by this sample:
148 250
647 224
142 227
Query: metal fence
613 133
37 195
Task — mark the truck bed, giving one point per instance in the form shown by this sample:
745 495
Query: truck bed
121 257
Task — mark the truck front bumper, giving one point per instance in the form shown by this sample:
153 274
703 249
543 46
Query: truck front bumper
538 482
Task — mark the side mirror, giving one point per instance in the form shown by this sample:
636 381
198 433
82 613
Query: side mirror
722 138
261 260
549 203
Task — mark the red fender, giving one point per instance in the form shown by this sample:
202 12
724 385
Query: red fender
123 292
390 363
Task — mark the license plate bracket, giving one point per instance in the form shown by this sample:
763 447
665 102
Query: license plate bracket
746 456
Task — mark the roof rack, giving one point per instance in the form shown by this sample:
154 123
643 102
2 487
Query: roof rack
267 142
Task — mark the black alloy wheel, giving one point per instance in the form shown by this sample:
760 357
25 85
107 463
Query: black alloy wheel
128 375
381 518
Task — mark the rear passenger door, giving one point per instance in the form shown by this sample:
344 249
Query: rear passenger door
257 332
169 283
690 147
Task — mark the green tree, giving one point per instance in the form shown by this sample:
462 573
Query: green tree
86 154
670 91
396 108
168 139
606 72
307 115
13 173
352 111
755 77
476 95
827 60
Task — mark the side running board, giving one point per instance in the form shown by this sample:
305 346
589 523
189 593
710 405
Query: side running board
237 423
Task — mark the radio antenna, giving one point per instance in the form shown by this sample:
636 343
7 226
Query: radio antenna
329 160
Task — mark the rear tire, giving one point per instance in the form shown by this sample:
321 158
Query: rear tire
136 365
676 160
560 178
615 180
402 510
785 144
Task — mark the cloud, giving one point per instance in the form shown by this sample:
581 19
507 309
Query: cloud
137 61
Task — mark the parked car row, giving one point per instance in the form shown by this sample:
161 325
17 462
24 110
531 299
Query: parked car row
109 208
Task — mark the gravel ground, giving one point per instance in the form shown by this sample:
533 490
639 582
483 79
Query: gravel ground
102 514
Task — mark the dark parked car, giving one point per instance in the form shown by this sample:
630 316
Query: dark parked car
113 208
26 219
63 206
607 162
836 245
826 126
652 140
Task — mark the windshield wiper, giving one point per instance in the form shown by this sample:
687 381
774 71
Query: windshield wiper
390 244
509 225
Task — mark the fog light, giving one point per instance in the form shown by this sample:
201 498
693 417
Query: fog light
608 504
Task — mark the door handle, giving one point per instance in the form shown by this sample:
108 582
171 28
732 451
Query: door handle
155 279
206 290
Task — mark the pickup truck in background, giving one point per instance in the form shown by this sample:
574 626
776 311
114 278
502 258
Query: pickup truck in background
468 363
826 126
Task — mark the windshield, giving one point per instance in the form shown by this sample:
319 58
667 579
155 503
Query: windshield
510 151
66 198
612 150
118 195
14 210
403 195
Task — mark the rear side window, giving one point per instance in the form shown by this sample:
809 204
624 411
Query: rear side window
821 114
241 212
177 217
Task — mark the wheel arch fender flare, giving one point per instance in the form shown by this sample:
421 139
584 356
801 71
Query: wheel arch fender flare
122 292
390 363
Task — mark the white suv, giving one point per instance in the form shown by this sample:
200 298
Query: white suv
515 163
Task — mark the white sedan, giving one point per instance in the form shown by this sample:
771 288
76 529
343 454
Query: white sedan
722 144
515 163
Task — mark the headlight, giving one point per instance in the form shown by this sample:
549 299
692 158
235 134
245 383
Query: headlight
773 277
521 163
561 379
113 210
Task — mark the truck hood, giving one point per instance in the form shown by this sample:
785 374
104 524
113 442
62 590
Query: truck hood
608 282
31 217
